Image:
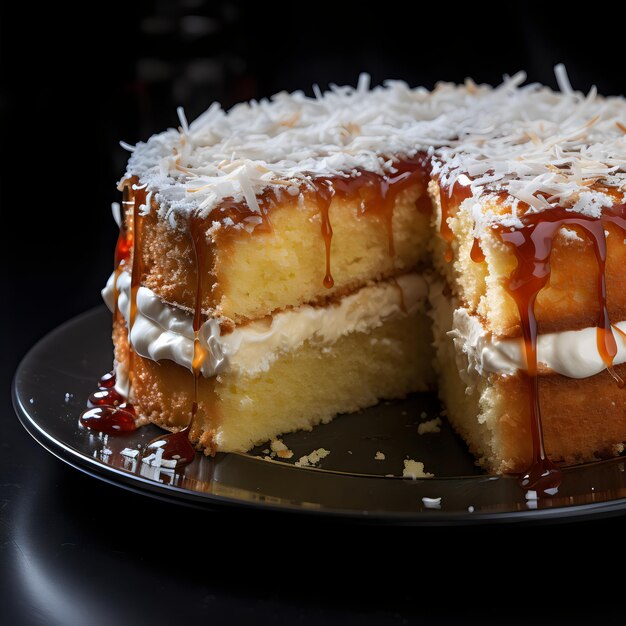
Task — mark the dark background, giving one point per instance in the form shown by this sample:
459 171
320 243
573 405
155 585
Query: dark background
119 71
73 83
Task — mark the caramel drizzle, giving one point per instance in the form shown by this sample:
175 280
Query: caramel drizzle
137 271
324 193
123 248
198 239
177 445
124 240
619 331
108 411
137 262
378 194
532 246
476 253
450 197
524 286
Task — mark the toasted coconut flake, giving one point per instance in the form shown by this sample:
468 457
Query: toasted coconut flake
540 147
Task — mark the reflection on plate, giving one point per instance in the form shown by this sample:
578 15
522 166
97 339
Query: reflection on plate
55 378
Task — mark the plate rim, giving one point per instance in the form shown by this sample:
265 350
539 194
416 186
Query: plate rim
207 501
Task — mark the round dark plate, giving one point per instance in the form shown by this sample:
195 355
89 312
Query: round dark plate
54 380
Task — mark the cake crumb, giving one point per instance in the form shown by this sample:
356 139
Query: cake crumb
312 459
431 426
415 469
349 451
379 456
432 503
280 449
470 509
423 415
266 451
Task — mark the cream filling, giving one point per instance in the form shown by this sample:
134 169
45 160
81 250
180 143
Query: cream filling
162 331
572 353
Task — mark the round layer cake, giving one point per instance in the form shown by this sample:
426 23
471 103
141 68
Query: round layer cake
300 257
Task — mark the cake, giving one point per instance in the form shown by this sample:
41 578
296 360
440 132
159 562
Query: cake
299 257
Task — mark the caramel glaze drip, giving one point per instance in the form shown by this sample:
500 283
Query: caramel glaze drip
378 194
324 192
137 268
108 411
450 197
619 331
176 446
124 240
123 247
476 254
532 246
198 238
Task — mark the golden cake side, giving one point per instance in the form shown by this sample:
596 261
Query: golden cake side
249 273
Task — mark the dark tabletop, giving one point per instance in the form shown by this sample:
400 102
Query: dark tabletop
74 551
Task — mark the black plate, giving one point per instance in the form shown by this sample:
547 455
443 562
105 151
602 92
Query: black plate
53 381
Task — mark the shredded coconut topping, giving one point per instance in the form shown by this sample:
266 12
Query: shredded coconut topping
538 146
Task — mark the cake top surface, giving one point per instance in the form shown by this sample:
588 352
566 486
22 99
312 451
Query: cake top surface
539 147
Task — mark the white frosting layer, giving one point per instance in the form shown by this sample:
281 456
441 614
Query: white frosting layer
162 331
572 353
